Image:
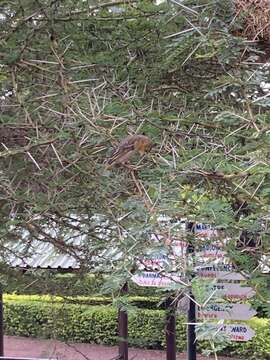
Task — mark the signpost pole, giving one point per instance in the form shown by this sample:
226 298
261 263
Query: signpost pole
1 324
191 316
123 329
170 331
191 335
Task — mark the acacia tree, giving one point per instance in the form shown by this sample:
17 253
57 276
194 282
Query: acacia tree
78 76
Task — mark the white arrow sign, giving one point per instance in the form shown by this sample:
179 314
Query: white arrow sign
154 262
232 291
148 278
225 312
223 272
211 252
179 247
235 332
205 231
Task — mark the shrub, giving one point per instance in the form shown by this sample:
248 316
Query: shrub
45 282
259 346
137 301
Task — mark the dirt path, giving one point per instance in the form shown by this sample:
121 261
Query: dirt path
28 347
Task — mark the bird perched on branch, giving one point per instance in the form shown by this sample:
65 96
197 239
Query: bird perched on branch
129 146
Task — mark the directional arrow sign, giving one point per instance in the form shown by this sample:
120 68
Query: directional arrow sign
179 247
211 252
232 291
206 259
205 231
223 272
153 262
235 332
225 312
148 278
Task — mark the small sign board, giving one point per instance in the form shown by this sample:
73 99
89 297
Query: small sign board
211 251
235 332
148 278
232 291
153 262
220 271
179 247
205 231
225 312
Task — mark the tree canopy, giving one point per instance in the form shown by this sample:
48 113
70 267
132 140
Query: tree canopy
78 76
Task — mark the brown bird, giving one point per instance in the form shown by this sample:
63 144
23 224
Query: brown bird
129 146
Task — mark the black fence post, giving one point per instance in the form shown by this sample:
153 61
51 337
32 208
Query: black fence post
123 329
1 324
170 331
191 316
191 334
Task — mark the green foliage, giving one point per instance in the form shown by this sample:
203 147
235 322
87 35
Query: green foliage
98 324
258 347
81 76
44 282
136 301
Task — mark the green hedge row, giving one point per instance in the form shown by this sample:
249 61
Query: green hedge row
81 323
46 282
73 285
98 324
150 302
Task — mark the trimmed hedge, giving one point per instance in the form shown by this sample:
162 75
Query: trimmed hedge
138 301
81 323
49 282
46 282
98 324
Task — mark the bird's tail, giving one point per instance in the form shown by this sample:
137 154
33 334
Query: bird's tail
114 156
110 161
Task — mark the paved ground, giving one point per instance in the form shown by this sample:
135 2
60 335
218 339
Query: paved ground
26 347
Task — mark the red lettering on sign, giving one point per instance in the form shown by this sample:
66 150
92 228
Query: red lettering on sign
238 337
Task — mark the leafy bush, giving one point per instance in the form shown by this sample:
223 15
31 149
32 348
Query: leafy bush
98 324
45 282
137 301
259 346
81 323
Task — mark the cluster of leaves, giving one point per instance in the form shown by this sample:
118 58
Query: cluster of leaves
77 77
141 302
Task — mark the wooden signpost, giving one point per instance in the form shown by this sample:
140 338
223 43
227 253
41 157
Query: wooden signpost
204 231
153 279
150 278
210 262
179 248
235 332
238 332
211 253
123 329
220 271
231 291
1 324
153 262
170 330
225 312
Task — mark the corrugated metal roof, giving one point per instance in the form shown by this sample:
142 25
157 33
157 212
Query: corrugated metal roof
44 255
41 255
